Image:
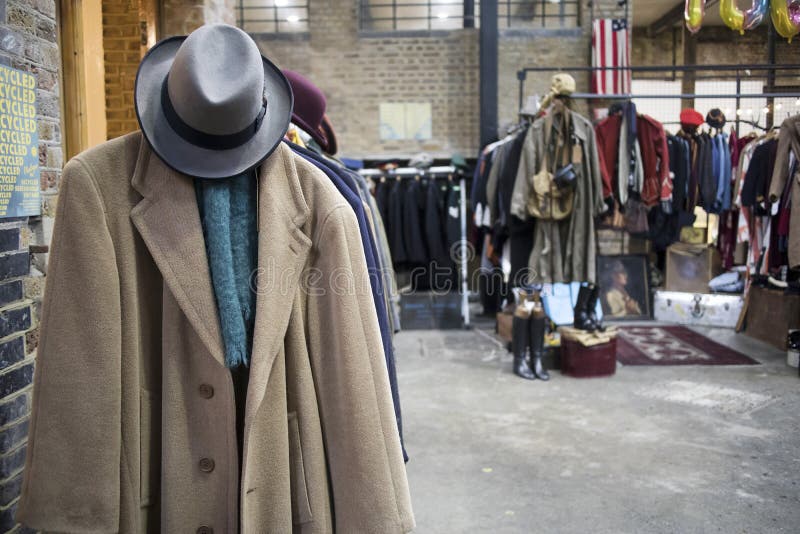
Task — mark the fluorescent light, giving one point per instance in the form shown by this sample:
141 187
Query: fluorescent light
739 112
442 15
765 109
293 19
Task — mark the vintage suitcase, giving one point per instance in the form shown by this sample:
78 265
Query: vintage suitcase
691 267
697 309
584 362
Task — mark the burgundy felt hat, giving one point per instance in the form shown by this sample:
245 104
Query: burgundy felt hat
692 117
309 106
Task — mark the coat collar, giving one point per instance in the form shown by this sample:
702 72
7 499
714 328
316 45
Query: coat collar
168 220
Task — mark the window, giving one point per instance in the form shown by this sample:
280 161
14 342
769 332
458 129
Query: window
410 15
538 13
272 16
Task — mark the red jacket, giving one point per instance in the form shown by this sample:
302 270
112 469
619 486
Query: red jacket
607 134
655 159
655 156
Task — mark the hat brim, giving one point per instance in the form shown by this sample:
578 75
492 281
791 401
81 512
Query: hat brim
316 133
332 145
190 159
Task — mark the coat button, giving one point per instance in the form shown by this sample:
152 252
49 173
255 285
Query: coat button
206 391
206 465
205 530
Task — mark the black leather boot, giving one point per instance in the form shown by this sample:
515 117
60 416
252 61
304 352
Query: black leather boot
582 319
591 307
537 343
520 342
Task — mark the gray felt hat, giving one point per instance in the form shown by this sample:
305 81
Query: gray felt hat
209 104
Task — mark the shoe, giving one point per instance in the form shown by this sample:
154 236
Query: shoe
520 342
582 319
537 324
591 308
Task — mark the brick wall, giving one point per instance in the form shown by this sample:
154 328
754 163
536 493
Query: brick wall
27 42
359 72
715 45
122 53
568 48
180 17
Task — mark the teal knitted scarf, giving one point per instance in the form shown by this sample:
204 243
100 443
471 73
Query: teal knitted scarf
228 216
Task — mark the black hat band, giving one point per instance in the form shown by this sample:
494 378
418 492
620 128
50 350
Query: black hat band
206 140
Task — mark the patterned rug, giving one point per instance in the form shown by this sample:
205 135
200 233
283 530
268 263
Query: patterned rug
673 345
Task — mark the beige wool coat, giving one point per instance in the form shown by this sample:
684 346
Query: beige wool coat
789 142
133 425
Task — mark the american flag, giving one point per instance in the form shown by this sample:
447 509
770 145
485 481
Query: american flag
610 49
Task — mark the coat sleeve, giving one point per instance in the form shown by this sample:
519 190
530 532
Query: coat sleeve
595 177
662 151
365 461
71 481
523 182
605 173
781 172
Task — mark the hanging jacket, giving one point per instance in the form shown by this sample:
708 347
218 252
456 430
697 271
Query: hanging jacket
133 425
434 223
788 142
413 215
655 160
349 191
396 234
563 251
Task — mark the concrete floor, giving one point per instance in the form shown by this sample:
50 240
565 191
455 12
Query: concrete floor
681 449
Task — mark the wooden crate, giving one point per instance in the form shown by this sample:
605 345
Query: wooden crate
771 314
691 267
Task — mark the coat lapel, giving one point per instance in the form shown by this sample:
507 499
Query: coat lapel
169 222
282 252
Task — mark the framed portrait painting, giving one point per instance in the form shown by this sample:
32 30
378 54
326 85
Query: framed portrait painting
624 287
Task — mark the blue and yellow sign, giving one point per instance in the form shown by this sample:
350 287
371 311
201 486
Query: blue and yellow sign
19 145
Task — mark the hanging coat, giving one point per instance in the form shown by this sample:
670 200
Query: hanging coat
434 224
413 215
563 251
133 425
789 141
395 223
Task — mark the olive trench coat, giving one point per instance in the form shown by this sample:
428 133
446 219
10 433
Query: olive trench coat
133 424
789 142
563 251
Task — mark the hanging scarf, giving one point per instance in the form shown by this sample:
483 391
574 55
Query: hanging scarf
228 216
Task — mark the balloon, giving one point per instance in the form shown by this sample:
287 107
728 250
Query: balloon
756 14
693 14
794 13
786 17
731 15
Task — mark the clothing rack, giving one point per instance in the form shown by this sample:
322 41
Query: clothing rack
779 82
436 173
